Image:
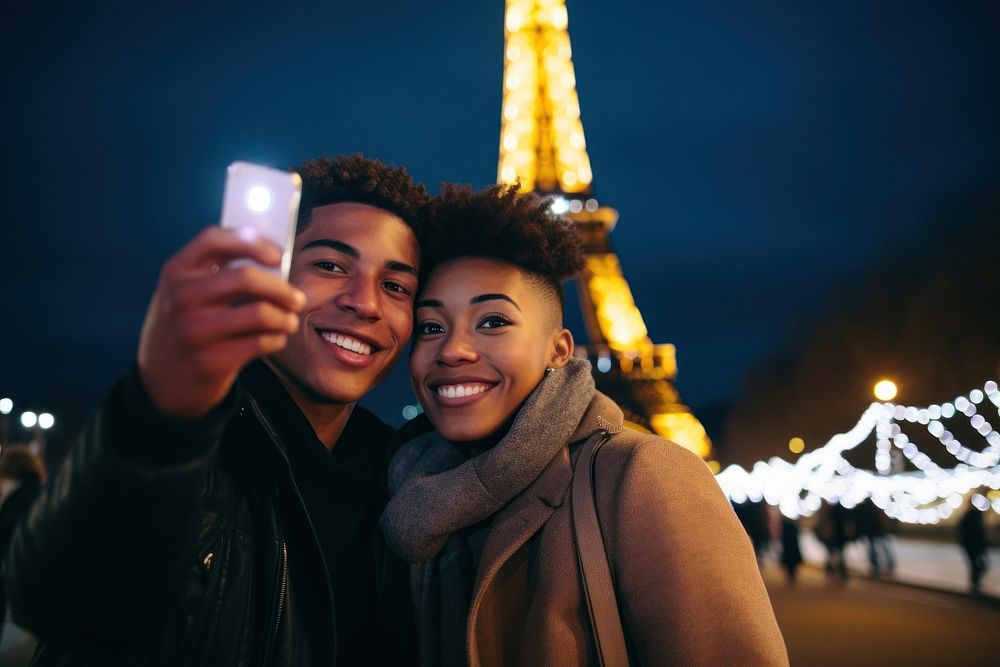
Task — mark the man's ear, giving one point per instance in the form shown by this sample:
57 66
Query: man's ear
562 348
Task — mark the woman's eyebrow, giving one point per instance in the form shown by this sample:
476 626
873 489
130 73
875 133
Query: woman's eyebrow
429 303
494 297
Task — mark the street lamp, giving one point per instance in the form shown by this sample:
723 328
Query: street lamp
885 390
46 421
29 419
6 405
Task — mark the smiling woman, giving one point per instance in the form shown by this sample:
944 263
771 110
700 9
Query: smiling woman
478 507
484 338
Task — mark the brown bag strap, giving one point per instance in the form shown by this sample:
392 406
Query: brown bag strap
595 573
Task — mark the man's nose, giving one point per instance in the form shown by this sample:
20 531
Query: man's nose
361 297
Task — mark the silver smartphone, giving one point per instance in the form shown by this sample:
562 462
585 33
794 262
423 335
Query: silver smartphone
265 200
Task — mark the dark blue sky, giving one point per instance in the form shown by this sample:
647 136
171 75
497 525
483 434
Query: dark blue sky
757 154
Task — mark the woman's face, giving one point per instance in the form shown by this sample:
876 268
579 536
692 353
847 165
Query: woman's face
484 336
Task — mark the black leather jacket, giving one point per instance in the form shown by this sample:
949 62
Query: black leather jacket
169 542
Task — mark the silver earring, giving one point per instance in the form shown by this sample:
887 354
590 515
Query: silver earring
550 370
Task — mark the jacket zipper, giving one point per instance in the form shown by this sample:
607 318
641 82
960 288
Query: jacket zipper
282 591
276 440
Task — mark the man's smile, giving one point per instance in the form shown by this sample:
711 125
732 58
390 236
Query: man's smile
347 342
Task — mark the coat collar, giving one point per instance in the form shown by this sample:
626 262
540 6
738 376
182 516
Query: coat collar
527 513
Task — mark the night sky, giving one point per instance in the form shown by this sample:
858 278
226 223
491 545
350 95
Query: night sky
757 155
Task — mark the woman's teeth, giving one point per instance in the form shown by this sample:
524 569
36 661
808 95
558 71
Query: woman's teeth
461 390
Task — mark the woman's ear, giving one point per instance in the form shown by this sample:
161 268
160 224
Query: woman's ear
562 349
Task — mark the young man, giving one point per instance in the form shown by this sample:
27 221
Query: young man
222 507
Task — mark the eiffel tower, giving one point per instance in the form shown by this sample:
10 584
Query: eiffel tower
542 145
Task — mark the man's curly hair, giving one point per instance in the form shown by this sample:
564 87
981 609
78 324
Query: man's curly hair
356 178
498 223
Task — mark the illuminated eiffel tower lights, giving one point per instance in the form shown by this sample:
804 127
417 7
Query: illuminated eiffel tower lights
542 145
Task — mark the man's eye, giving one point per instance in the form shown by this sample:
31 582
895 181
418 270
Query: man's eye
494 321
393 286
333 267
429 329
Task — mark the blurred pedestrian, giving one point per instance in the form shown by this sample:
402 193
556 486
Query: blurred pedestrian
873 525
835 529
972 537
751 515
21 477
791 554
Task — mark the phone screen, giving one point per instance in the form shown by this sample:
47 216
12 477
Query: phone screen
265 200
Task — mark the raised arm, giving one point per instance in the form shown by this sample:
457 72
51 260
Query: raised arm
106 544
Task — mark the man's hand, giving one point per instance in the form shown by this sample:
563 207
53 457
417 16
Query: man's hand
204 324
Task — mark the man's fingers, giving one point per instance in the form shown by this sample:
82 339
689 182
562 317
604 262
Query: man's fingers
237 351
259 318
236 286
217 246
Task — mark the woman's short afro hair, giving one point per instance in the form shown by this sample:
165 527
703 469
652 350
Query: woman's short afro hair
356 178
498 223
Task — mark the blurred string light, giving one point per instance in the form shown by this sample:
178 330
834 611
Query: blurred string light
927 495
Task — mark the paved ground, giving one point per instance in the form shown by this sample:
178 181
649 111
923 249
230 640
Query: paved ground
862 622
933 565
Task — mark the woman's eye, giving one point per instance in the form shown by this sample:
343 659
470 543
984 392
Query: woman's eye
429 329
494 321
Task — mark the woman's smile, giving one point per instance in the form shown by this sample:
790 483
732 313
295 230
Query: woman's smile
484 336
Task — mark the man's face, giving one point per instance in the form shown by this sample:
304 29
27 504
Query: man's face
357 265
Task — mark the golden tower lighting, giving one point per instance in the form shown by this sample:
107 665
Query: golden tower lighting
542 145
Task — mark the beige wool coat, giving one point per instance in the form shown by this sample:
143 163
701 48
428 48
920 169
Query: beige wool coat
688 587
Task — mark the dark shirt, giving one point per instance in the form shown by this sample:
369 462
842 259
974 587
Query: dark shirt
344 492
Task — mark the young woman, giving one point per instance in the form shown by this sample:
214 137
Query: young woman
480 505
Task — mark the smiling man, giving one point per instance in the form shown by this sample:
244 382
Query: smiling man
222 507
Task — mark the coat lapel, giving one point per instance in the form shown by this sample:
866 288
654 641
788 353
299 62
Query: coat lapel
527 513
524 516
517 522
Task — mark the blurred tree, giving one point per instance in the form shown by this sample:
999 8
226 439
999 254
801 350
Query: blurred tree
926 315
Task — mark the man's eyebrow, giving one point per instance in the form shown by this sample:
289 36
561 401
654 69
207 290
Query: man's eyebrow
394 265
429 303
339 246
494 297
351 251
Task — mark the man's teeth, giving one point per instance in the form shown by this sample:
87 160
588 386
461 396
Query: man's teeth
348 343
461 390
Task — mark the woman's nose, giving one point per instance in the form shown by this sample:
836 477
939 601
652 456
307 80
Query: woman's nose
457 348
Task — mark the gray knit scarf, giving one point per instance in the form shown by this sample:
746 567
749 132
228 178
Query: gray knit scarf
435 491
